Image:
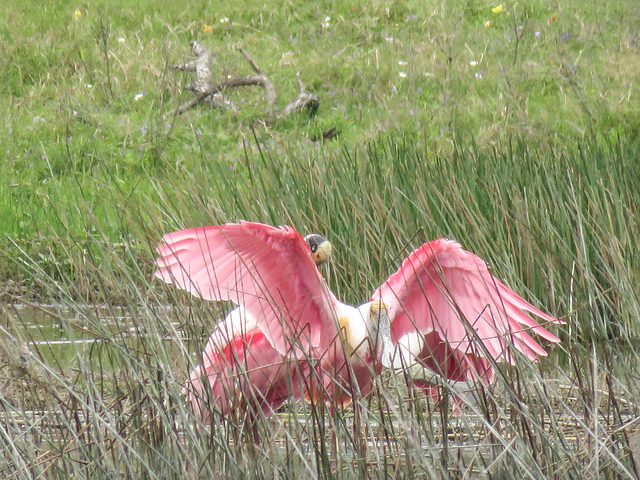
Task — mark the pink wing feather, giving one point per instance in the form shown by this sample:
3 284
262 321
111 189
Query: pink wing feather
239 363
440 283
267 270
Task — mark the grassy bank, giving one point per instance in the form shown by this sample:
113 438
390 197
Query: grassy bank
90 129
543 219
89 97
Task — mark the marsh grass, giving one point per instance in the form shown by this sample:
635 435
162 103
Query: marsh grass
558 226
520 140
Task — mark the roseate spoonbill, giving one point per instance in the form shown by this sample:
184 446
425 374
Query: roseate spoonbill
442 317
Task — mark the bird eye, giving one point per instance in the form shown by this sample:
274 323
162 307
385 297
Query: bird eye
314 241
319 247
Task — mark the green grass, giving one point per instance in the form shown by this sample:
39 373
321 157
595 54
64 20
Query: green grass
532 164
551 74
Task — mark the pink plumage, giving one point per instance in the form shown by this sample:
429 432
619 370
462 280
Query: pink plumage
244 372
289 316
267 270
464 313
288 337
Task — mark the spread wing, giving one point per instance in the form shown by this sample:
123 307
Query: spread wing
448 294
267 270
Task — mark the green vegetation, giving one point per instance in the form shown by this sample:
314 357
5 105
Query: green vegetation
519 139
88 97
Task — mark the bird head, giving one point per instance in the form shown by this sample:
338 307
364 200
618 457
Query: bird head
320 247
377 308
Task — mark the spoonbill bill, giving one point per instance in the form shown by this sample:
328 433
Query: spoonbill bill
442 318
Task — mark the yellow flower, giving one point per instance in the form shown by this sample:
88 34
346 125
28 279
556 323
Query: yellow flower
207 28
497 9
77 14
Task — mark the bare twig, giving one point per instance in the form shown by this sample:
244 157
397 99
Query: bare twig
191 103
262 79
202 87
202 67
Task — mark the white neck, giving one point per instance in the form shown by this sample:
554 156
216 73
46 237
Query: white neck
379 332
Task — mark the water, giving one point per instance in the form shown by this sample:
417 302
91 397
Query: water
62 335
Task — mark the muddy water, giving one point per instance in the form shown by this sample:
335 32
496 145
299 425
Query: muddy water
59 334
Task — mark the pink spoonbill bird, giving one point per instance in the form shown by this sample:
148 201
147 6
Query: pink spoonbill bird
441 318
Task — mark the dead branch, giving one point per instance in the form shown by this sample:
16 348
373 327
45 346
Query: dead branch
202 67
262 79
304 100
204 88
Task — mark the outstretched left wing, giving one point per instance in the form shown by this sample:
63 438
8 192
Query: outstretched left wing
267 270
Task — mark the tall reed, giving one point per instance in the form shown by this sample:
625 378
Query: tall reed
560 227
